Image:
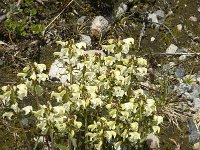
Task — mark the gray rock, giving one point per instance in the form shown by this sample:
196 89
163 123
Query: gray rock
180 72
25 122
172 49
1 62
196 103
99 25
121 10
198 9
160 13
86 39
153 18
194 135
182 50
152 141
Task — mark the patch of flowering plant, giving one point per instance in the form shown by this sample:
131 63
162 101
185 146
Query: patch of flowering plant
99 107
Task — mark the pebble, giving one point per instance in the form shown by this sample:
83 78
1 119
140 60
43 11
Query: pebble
182 57
179 27
99 25
81 20
86 39
152 141
171 49
179 72
193 19
121 10
1 62
157 17
194 135
152 39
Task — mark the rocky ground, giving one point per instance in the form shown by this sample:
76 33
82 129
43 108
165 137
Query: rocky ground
166 32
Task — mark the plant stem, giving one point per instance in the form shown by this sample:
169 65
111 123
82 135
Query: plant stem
24 133
86 130
52 139
35 94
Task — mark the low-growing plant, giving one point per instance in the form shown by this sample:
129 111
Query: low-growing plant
21 19
100 106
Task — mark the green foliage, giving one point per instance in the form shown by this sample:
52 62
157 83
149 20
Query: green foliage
99 103
20 21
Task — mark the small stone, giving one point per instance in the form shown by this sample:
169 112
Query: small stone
194 135
1 62
182 50
193 19
121 10
182 57
152 39
172 64
196 146
179 27
153 18
171 49
25 122
86 39
179 72
196 103
198 9
160 13
99 25
81 20
152 141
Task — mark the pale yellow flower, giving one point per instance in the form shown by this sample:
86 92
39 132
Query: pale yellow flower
81 45
109 60
158 119
134 126
129 41
142 61
141 71
134 136
22 91
27 109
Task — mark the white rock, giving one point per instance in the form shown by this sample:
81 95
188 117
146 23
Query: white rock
171 49
153 18
57 70
179 27
99 24
199 9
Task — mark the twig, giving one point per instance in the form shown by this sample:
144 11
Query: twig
169 30
57 16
